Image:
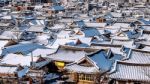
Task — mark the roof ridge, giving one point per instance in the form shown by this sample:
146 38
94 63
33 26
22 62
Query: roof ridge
131 64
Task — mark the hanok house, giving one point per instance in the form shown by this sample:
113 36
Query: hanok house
35 76
55 9
12 74
6 23
64 56
134 69
80 43
100 19
39 29
88 32
89 69
4 26
130 73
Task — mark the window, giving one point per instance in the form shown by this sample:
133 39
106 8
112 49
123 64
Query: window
86 77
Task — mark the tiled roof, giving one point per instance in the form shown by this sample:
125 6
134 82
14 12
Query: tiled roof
100 60
67 55
139 57
91 32
23 48
8 70
81 69
131 72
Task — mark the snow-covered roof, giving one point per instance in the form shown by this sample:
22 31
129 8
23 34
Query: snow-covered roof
39 65
131 72
36 28
67 55
81 69
80 23
95 24
4 24
8 35
139 57
58 42
145 21
133 34
42 39
100 60
8 69
80 42
90 32
146 48
14 59
86 40
37 22
43 52
7 17
51 76
38 7
23 48
118 25
28 17
63 34
127 43
22 72
115 14
58 26
123 38
3 43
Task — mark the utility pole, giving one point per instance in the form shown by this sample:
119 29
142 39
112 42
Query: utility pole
17 28
31 59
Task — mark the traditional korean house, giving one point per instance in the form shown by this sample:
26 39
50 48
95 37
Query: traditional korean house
100 19
80 43
10 42
137 56
103 38
78 23
89 69
132 69
27 36
145 22
14 59
22 48
127 43
39 29
116 14
133 73
5 26
7 22
131 34
91 32
3 43
37 22
104 45
64 56
12 73
43 52
87 32
9 35
35 76
55 9
84 72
